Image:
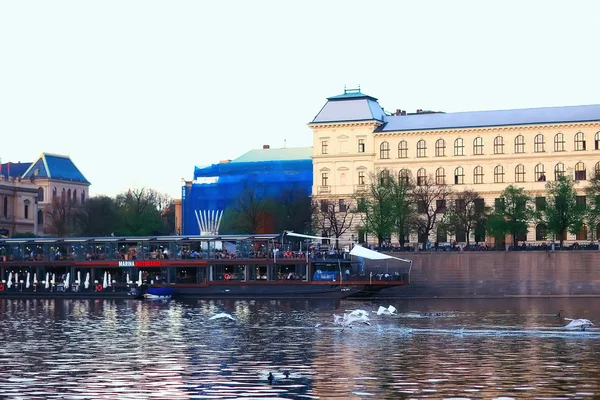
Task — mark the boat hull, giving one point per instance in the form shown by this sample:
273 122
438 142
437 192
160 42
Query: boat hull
254 290
150 296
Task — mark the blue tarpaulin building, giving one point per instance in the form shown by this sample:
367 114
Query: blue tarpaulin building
219 186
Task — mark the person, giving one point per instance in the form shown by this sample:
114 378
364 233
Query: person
270 377
347 273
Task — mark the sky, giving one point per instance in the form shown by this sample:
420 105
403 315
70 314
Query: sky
138 93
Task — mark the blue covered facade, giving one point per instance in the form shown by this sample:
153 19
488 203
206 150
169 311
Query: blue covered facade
217 187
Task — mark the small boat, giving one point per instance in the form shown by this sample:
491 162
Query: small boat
158 293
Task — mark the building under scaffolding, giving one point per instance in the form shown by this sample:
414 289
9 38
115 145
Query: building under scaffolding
264 172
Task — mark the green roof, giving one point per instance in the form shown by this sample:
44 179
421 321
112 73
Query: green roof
285 154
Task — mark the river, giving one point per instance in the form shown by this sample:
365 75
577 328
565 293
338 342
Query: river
131 349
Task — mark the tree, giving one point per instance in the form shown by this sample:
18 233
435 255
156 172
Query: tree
511 214
376 207
252 211
294 210
62 215
140 213
430 199
593 210
403 210
465 213
99 216
334 217
562 213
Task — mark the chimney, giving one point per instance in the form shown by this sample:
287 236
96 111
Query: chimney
266 146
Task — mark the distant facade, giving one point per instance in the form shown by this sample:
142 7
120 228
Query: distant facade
484 151
267 171
30 191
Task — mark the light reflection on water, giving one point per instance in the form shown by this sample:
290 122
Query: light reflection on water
511 348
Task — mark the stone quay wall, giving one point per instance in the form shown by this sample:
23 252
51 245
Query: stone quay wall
497 274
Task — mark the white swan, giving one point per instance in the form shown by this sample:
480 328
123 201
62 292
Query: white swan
580 323
391 310
222 315
359 313
348 320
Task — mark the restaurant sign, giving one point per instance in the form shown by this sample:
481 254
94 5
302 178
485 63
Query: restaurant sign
134 263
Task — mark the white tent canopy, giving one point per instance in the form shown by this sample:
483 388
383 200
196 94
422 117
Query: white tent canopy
360 251
300 235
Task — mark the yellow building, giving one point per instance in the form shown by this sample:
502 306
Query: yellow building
483 150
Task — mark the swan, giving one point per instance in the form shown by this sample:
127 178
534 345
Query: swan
580 323
391 310
221 315
359 313
348 320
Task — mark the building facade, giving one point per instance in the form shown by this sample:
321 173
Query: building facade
31 192
484 151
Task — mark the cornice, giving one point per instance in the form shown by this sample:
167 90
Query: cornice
356 156
344 124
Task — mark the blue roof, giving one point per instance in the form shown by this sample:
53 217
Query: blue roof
13 170
57 167
352 105
473 119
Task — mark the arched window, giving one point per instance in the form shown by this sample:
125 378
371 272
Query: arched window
5 207
403 176
440 176
478 174
421 148
520 144
421 177
539 143
540 173
403 149
40 194
498 145
63 194
597 141
459 147
75 196
579 141
40 217
520 173
82 197
69 198
559 142
459 176
580 171
384 150
540 232
384 177
559 171
440 148
499 174
597 170
478 146
582 234
54 193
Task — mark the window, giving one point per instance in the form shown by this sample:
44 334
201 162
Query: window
499 174
40 194
460 205
479 205
459 147
324 206
54 193
579 141
384 150
582 233
499 145
441 235
520 173
403 176
26 210
40 217
559 142
440 176
82 197
69 195
540 174
538 143
63 194
540 203
5 207
580 171
498 203
384 177
597 170
421 207
478 146
75 196
478 174
421 148
440 148
459 176
361 145
324 178
342 206
597 141
440 206
324 145
361 177
461 235
520 144
540 232
559 171
403 149
421 177
580 202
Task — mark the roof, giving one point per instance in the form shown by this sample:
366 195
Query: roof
55 166
13 170
473 119
352 105
284 154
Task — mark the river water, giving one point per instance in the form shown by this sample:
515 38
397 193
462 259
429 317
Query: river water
131 349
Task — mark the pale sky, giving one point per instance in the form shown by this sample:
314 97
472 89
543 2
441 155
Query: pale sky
140 92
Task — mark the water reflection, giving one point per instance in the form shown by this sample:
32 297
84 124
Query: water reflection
437 349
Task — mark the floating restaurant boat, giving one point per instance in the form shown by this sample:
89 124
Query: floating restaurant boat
235 266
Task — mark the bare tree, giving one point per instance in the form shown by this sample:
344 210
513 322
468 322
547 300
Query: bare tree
465 212
62 216
334 217
250 211
430 199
